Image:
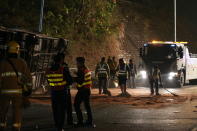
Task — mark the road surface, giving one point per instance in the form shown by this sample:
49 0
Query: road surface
113 114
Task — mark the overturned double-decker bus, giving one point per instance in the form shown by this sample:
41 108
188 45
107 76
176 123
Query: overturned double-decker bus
36 49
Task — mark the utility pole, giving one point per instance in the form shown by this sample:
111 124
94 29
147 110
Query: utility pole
175 21
41 16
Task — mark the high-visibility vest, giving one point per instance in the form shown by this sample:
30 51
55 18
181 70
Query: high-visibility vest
102 72
155 74
87 80
56 79
122 72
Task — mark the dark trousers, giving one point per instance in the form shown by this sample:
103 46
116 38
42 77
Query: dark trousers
154 83
58 99
16 110
112 74
83 95
102 85
69 108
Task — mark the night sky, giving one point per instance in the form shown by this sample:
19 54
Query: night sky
188 9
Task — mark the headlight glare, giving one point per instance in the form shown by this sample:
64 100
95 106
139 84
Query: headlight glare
171 75
143 74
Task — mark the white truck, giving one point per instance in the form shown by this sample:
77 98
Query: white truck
177 65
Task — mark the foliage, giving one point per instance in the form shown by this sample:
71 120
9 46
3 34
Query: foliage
74 19
80 19
20 13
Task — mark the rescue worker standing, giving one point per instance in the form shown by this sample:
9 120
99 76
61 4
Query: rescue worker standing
68 99
133 72
84 84
59 79
155 79
12 71
102 71
123 74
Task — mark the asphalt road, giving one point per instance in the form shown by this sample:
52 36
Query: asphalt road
124 117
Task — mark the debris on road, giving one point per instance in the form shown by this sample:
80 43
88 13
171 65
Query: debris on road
141 101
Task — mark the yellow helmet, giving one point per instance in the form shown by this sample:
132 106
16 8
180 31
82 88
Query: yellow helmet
13 47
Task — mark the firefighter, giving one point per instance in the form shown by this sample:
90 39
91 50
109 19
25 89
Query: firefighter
84 84
133 72
123 74
59 79
13 72
155 79
69 100
102 71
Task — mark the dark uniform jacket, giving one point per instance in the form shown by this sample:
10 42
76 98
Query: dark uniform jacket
8 78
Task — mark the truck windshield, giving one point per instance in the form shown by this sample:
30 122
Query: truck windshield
160 51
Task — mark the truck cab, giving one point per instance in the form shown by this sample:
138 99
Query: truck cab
177 65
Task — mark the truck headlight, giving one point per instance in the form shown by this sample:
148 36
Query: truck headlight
172 75
143 74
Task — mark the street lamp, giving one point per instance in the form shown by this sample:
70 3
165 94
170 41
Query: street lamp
41 15
175 20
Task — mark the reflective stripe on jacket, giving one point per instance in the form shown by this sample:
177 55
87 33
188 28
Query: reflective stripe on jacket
56 79
87 80
10 84
103 70
155 74
122 73
11 91
10 74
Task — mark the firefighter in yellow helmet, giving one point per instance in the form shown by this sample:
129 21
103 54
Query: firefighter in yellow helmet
15 77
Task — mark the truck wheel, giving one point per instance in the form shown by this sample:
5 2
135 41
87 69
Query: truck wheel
181 80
